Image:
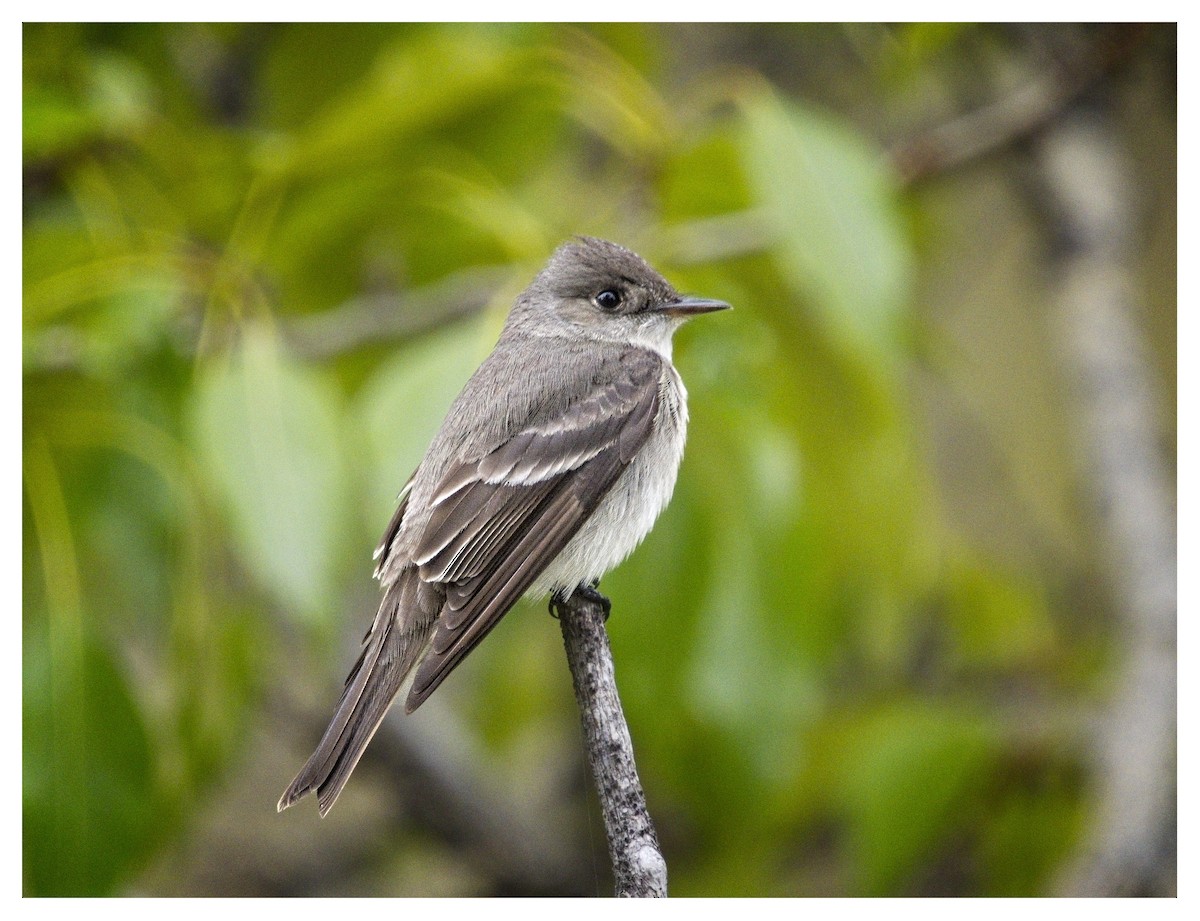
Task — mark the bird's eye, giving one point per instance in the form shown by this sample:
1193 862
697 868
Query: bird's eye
608 299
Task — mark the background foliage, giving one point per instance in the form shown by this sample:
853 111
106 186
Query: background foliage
259 261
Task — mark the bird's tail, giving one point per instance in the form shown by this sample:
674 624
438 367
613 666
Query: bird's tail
397 638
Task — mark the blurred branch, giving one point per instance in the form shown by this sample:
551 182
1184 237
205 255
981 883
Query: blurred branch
426 776
1018 115
639 868
516 835
712 239
386 318
1086 191
525 853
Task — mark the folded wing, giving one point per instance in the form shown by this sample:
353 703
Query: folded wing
498 521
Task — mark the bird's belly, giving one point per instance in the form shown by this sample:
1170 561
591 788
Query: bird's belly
628 511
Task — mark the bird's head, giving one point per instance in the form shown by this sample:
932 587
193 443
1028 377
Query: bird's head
600 290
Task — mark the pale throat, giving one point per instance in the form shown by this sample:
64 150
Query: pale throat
657 337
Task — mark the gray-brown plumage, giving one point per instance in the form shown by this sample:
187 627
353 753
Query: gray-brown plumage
550 467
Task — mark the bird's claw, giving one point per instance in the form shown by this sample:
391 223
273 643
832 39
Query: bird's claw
589 592
592 594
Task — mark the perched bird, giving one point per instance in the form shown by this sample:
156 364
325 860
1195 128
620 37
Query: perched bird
549 469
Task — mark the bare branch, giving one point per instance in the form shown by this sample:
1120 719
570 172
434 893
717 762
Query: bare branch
639 868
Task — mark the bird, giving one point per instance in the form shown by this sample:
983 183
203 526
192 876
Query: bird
550 467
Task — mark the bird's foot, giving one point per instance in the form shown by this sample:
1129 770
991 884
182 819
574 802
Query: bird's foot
588 592
591 593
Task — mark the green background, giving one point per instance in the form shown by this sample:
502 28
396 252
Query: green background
859 651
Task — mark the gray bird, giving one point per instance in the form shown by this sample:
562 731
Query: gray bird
549 469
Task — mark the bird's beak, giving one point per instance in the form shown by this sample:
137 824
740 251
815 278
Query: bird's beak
685 307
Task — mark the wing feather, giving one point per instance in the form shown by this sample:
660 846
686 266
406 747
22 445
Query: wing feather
499 521
467 553
393 528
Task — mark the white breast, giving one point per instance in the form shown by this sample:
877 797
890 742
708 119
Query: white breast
628 512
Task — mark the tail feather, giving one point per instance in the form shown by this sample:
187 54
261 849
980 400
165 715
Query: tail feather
397 639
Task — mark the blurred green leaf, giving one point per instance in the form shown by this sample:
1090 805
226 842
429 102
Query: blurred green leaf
52 124
112 99
88 790
124 327
120 94
833 203
492 211
903 775
706 178
609 96
918 42
268 430
317 244
434 75
1030 834
999 619
294 91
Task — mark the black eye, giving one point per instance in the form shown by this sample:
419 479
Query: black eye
608 299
